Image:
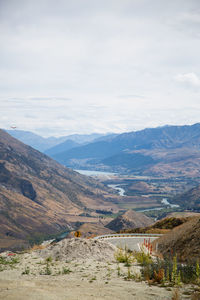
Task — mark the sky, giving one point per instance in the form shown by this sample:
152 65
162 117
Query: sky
87 66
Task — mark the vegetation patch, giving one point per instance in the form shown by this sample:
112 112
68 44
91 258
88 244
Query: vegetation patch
8 261
124 256
169 272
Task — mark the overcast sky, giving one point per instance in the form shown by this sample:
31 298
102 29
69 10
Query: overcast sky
82 66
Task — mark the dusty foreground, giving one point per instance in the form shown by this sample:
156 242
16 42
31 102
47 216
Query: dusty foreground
60 272
75 288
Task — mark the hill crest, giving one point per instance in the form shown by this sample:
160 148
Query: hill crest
130 219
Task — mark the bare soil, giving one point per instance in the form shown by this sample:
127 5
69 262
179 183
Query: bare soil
84 270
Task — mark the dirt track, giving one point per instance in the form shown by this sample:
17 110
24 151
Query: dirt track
65 288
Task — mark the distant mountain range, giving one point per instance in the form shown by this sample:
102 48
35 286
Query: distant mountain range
66 145
34 140
161 151
42 144
155 151
38 196
69 144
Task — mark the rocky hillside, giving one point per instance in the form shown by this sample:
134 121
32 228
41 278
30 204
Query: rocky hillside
130 219
38 196
161 227
190 199
183 240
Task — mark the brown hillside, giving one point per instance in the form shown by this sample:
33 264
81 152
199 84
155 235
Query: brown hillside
162 226
38 196
183 240
130 219
189 199
141 187
174 162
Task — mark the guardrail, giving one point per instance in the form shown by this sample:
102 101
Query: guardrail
121 235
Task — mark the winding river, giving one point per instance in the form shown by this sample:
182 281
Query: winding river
121 191
118 188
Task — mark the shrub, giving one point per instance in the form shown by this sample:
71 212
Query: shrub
170 271
49 259
118 270
159 276
10 260
47 269
142 258
66 270
26 271
123 256
197 273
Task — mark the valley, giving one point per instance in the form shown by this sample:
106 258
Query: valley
145 193
41 199
100 150
168 151
32 184
145 166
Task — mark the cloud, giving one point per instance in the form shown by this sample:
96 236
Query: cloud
188 79
131 97
84 66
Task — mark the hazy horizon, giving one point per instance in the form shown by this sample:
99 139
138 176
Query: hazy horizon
93 132
99 66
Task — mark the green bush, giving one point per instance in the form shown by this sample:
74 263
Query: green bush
123 256
9 260
66 270
26 271
142 258
47 269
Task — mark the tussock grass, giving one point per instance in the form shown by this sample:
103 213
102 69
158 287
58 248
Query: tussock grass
37 247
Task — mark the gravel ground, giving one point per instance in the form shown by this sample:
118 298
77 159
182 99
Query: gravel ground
39 275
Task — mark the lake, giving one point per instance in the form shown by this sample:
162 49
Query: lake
95 173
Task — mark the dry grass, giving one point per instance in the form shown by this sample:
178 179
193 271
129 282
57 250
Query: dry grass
196 296
37 247
179 241
176 295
